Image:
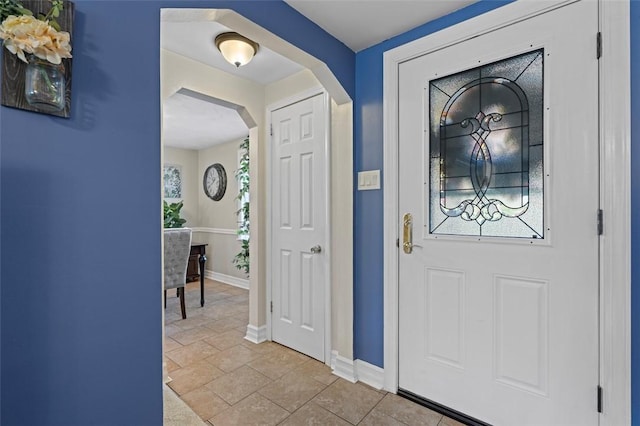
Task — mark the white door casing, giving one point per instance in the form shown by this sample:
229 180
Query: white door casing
299 244
503 318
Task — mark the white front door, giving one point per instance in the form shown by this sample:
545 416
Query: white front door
498 258
299 199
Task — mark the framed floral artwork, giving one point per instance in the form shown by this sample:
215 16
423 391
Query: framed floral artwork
36 65
172 177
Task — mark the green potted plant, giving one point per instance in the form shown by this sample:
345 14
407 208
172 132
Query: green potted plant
172 217
241 260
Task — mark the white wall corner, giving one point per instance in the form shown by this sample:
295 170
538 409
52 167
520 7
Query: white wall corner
369 374
343 367
256 334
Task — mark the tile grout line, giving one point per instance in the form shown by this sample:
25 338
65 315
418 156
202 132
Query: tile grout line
303 405
257 391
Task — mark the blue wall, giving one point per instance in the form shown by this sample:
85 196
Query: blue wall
79 209
80 212
368 154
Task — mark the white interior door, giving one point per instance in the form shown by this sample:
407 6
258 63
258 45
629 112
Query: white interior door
298 226
498 160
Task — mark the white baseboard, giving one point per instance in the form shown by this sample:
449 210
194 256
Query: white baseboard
370 374
343 367
256 334
165 374
227 279
357 371
222 231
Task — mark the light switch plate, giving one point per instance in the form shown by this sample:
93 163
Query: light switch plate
368 180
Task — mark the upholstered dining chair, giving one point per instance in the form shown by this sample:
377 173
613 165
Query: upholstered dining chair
177 246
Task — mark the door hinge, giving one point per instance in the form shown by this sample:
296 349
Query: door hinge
271 307
398 242
599 45
599 399
600 222
270 129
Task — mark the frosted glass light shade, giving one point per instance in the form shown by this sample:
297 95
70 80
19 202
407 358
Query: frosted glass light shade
236 49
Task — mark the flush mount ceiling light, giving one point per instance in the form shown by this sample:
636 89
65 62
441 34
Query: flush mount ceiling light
236 49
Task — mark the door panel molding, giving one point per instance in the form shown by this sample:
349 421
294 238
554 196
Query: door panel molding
615 143
326 249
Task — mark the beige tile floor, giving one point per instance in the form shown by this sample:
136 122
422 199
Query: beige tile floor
228 380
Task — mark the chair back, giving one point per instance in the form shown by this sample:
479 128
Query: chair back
177 246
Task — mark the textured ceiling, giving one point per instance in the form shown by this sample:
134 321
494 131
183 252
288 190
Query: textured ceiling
191 122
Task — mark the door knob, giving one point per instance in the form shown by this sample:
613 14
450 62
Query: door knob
316 249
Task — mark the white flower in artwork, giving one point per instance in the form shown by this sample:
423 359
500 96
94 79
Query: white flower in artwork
26 34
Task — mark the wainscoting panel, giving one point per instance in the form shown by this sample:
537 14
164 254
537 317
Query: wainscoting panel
222 246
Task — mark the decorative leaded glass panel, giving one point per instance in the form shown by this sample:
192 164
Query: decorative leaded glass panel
486 157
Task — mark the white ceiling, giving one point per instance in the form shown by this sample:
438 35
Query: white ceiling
363 23
192 122
195 39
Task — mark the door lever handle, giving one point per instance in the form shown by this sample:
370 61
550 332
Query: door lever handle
407 234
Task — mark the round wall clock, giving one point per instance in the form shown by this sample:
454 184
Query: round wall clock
215 181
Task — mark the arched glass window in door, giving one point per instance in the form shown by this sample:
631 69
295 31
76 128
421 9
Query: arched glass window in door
485 146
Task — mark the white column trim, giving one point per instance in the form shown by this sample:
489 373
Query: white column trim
615 258
356 371
343 367
256 334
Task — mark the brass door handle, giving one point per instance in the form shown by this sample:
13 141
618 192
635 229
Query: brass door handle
407 234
